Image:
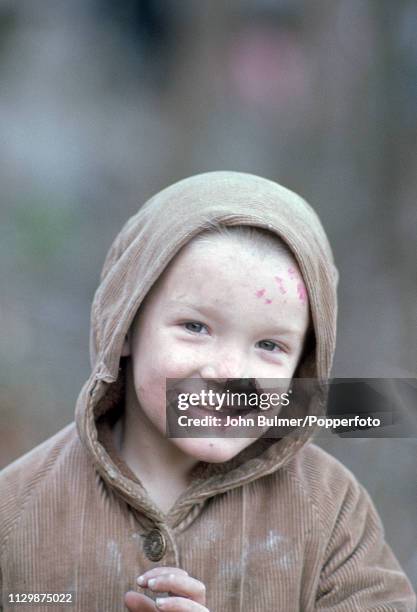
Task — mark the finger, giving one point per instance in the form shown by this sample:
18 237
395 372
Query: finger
156 571
179 584
179 604
136 602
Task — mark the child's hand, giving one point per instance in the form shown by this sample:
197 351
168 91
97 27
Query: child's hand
186 593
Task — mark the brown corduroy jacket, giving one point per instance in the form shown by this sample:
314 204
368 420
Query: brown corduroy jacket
283 526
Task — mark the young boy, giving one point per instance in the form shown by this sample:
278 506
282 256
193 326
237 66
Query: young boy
111 513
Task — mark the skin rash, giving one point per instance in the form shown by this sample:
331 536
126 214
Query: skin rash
293 276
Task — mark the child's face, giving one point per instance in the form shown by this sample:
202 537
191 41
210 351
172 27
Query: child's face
221 311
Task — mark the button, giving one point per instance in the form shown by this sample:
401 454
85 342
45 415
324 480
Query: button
154 545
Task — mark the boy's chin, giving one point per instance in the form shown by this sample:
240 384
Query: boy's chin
213 450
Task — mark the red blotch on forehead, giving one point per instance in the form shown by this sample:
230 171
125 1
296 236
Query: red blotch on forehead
268 301
260 293
302 293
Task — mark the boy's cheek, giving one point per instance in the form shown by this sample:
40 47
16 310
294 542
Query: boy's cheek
150 381
181 361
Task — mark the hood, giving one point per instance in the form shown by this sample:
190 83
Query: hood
140 253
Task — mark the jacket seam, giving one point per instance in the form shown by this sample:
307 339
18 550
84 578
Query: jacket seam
306 494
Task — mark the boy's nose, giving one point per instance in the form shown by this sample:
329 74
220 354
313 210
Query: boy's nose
223 366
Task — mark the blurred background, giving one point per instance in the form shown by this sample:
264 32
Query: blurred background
104 103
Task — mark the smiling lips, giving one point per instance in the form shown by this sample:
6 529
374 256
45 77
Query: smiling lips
217 398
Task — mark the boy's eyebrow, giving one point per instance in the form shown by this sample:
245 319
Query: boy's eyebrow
204 310
208 311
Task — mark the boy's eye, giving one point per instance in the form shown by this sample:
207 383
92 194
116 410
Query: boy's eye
268 345
194 326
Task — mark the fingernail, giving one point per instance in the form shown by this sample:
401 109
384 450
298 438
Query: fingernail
140 580
152 582
160 601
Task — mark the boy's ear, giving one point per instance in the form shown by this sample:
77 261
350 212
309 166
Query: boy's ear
126 347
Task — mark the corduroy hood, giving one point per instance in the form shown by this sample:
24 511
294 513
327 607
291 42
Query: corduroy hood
138 256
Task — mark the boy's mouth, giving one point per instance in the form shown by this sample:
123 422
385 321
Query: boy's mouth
228 399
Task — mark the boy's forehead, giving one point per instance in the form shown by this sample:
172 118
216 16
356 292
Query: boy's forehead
222 272
225 256
201 276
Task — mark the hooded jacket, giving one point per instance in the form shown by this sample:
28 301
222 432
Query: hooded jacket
282 526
